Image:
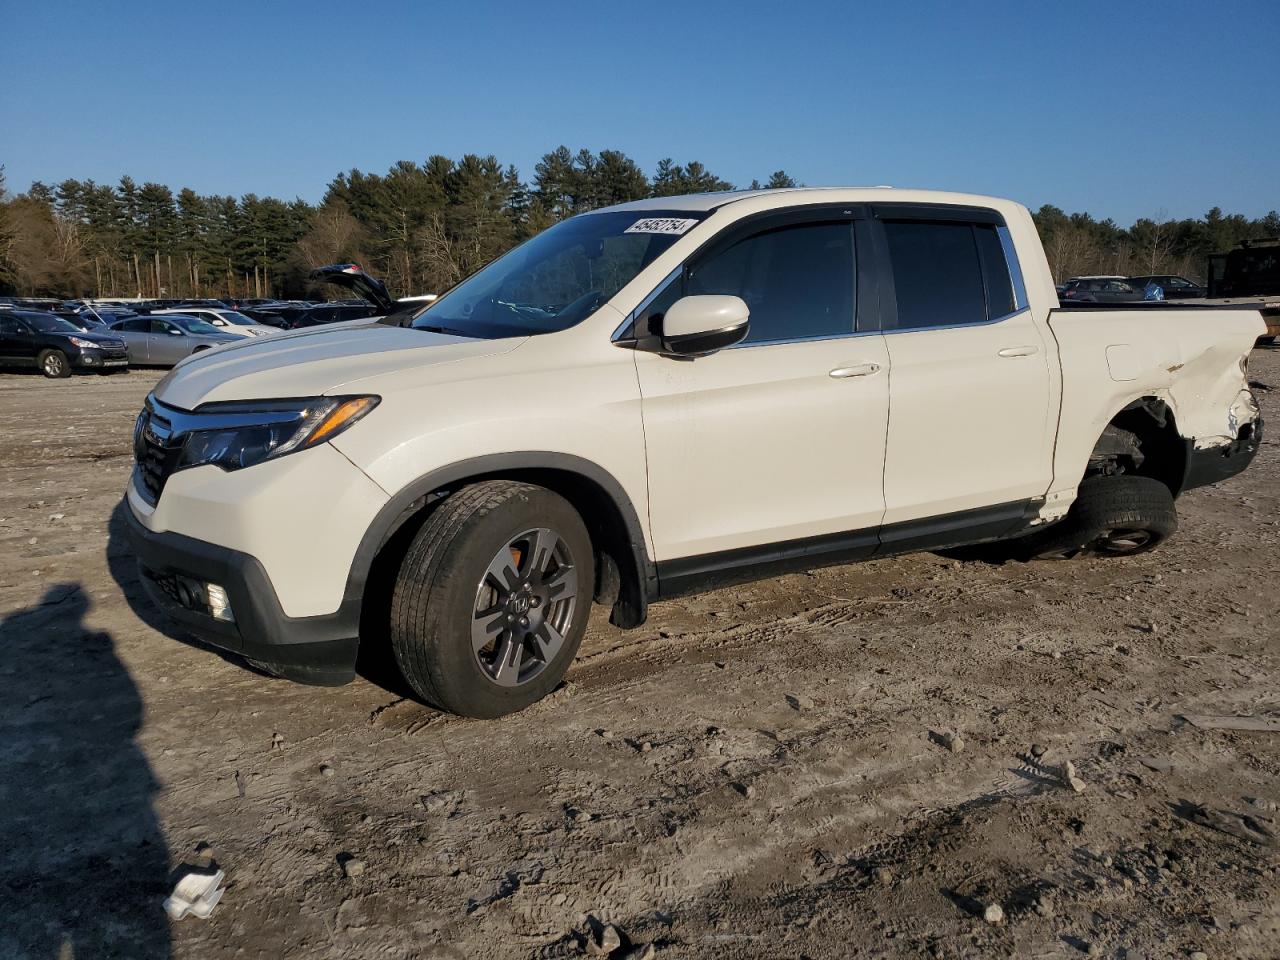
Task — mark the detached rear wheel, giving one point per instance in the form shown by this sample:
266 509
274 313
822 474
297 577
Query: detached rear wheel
492 599
1117 516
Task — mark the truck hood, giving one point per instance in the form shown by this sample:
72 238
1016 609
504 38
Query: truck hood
313 362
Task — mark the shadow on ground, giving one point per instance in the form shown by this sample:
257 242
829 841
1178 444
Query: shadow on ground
84 866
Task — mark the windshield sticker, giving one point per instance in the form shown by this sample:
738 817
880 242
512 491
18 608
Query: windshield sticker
665 225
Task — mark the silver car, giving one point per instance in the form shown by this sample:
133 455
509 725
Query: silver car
162 341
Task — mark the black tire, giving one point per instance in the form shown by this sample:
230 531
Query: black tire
54 364
443 581
1112 516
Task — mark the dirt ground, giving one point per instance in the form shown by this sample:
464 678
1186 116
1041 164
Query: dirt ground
758 772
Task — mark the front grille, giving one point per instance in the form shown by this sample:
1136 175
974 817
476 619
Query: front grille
156 454
113 354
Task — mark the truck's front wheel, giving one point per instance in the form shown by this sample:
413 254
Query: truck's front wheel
492 598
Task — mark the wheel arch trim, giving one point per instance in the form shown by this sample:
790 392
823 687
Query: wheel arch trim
1157 407
637 585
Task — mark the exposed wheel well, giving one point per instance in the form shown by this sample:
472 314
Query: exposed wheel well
1142 440
619 582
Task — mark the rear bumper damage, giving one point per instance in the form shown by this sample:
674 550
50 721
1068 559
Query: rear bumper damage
1211 463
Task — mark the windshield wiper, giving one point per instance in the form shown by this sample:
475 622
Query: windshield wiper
448 331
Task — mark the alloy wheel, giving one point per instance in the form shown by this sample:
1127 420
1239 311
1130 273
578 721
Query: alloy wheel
524 606
1122 541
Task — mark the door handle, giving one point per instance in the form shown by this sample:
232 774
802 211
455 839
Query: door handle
1019 351
860 370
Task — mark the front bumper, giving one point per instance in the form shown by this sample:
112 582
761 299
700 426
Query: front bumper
100 359
1214 464
318 650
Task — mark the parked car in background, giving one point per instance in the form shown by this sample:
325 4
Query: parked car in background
55 346
161 341
30 303
1174 287
1099 290
371 290
227 321
208 303
81 321
294 316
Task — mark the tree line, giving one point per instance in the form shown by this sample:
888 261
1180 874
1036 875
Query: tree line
424 226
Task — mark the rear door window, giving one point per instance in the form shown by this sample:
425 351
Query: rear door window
936 274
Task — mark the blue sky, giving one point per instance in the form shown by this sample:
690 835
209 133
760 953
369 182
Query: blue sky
1122 109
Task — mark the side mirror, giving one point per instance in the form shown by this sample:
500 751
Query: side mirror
175 332
698 325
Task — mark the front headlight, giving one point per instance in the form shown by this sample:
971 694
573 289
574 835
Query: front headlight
242 434
84 344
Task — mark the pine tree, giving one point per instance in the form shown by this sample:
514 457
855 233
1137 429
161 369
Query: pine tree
554 181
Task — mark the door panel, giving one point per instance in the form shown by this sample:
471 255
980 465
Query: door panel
970 418
970 423
781 438
759 445
17 341
166 347
135 334
138 343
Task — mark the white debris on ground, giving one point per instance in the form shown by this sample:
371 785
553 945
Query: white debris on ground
196 893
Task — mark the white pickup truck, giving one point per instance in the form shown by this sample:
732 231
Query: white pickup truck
659 397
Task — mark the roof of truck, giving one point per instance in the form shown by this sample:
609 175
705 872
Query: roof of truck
704 202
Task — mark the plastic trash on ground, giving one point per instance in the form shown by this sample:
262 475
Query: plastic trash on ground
196 892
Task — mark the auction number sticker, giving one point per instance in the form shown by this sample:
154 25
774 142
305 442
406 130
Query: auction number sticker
665 225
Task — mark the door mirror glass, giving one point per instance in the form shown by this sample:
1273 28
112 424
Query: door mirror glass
695 326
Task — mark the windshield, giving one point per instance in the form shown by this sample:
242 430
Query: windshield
192 325
558 278
51 324
239 319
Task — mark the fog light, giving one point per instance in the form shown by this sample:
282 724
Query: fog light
219 605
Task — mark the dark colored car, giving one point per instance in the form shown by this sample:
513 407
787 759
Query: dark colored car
206 303
1174 287
294 317
30 338
81 321
1099 290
